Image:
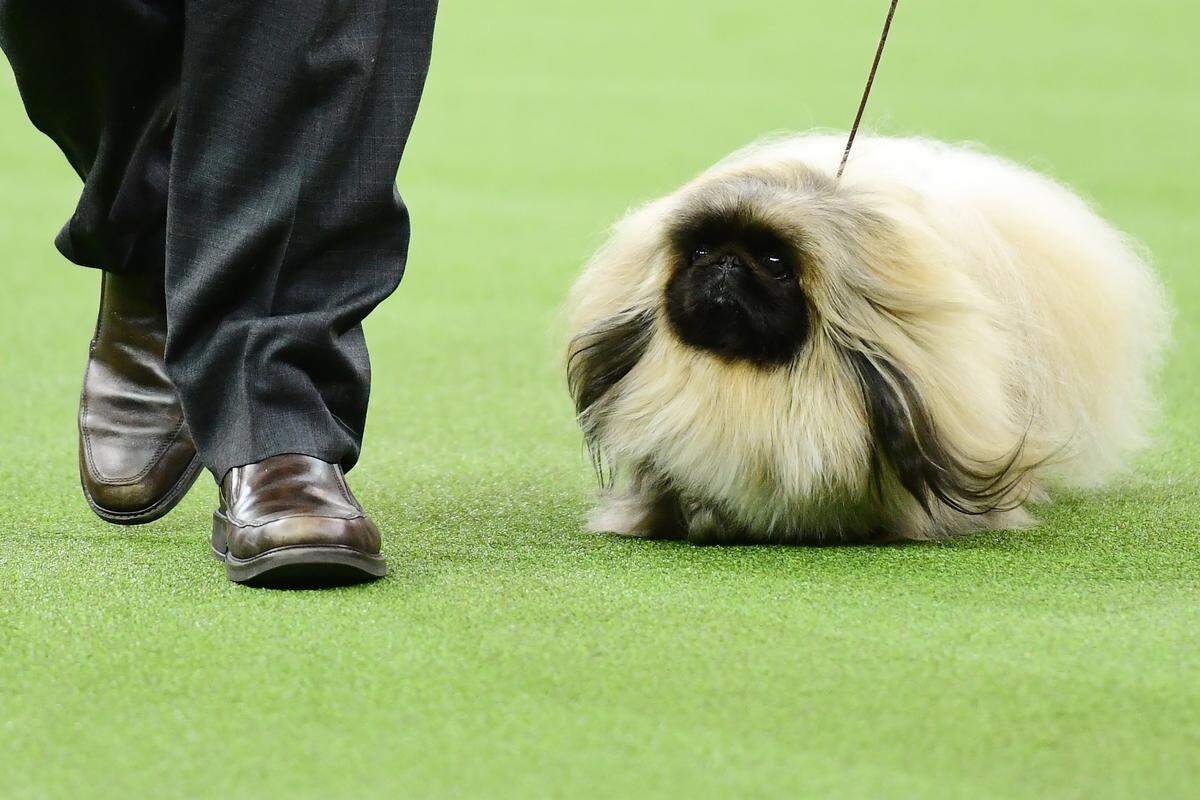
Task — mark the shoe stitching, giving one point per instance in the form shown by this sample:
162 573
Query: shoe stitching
341 478
241 524
159 452
170 498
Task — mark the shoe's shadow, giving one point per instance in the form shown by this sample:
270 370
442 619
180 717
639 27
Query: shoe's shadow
304 577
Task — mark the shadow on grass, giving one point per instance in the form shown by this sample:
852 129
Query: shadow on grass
442 529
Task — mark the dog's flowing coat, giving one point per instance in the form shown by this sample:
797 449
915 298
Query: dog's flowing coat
955 335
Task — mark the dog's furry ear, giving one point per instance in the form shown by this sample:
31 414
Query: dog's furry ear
602 355
597 360
905 437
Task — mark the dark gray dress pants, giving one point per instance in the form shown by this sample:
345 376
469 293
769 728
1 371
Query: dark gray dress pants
247 150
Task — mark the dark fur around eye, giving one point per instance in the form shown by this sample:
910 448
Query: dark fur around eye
906 440
735 288
597 360
706 234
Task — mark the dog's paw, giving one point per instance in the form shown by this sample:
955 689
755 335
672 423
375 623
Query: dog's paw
637 515
706 524
619 519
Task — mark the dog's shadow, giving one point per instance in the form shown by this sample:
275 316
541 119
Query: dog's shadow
440 529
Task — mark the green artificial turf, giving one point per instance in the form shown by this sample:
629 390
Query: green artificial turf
510 654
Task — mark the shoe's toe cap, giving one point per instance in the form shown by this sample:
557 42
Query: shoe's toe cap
122 498
356 533
138 486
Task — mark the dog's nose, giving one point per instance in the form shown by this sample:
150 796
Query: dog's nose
727 262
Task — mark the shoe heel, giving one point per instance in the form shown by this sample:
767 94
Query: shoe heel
220 536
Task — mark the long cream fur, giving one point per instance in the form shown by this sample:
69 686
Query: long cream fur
1027 324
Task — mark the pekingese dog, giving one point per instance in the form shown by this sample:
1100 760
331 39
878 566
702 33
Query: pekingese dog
917 350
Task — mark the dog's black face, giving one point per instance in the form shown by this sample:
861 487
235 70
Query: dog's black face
735 289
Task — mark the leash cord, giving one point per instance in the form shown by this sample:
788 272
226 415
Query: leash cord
862 106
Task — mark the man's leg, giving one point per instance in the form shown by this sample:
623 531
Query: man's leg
285 228
284 231
102 79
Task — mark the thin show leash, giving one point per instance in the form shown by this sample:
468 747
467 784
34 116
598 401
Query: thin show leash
862 106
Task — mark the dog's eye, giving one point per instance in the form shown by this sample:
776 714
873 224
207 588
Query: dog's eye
777 265
701 252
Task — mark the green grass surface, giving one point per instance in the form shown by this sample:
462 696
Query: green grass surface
510 654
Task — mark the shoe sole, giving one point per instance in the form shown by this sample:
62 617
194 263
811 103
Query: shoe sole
159 509
296 566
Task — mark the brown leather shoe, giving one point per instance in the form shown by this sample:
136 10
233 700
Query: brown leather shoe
291 520
136 457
